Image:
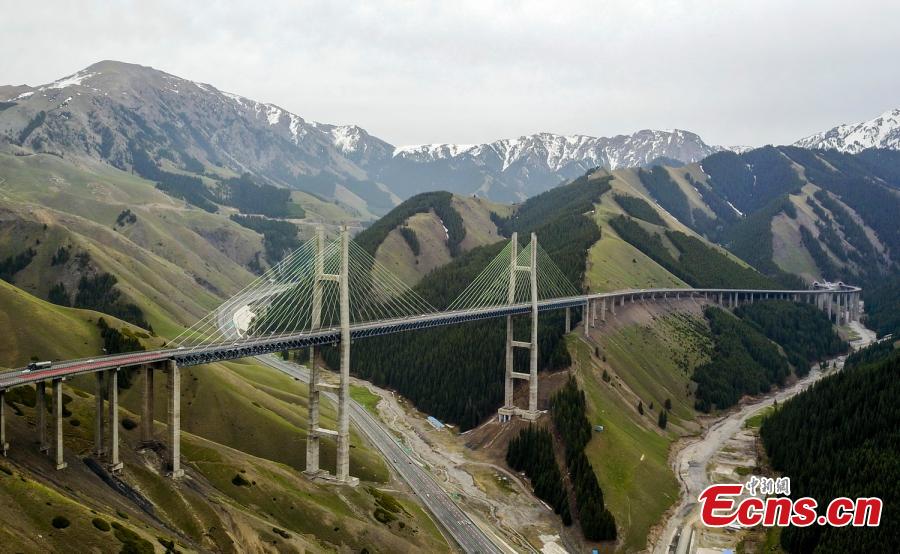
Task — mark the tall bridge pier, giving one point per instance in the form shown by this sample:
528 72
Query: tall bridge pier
509 408
315 431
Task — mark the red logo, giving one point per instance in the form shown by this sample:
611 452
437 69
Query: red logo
725 505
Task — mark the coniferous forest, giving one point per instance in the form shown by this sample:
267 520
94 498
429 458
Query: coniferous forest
842 438
531 452
568 410
802 330
698 265
746 359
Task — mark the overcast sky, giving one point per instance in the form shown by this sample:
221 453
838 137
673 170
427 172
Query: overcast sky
749 73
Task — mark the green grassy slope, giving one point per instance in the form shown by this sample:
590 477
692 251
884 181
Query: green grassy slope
33 328
397 255
235 416
175 262
629 457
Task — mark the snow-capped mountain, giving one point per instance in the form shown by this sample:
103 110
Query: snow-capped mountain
513 169
880 132
116 112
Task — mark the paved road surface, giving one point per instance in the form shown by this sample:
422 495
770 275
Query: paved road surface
460 527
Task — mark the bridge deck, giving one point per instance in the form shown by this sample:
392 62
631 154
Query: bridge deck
195 355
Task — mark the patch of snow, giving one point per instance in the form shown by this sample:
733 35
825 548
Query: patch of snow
24 95
346 138
737 211
71 80
297 128
273 114
422 152
234 97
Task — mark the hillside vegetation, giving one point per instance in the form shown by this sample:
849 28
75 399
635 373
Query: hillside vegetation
847 420
428 231
239 418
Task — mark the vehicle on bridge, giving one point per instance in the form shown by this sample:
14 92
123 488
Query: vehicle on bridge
34 366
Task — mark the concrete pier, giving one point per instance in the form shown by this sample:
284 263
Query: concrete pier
99 415
40 406
312 437
533 380
568 320
585 320
112 383
509 409
343 439
147 408
57 401
173 391
4 446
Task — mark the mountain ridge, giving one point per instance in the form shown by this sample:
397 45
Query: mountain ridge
109 108
852 138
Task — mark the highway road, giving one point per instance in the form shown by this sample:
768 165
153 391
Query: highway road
455 522
254 346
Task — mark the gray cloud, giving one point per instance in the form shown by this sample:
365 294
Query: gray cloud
757 72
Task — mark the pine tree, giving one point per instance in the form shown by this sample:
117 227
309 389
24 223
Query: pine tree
663 419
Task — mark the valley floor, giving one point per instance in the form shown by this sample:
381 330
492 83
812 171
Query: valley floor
720 451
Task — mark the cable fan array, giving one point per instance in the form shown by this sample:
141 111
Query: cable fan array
284 299
491 287
281 300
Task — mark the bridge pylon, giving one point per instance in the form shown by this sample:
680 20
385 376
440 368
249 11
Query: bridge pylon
316 385
509 408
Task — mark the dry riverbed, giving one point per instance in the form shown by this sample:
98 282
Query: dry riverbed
724 451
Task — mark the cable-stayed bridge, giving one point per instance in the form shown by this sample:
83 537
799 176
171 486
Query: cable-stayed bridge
332 293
